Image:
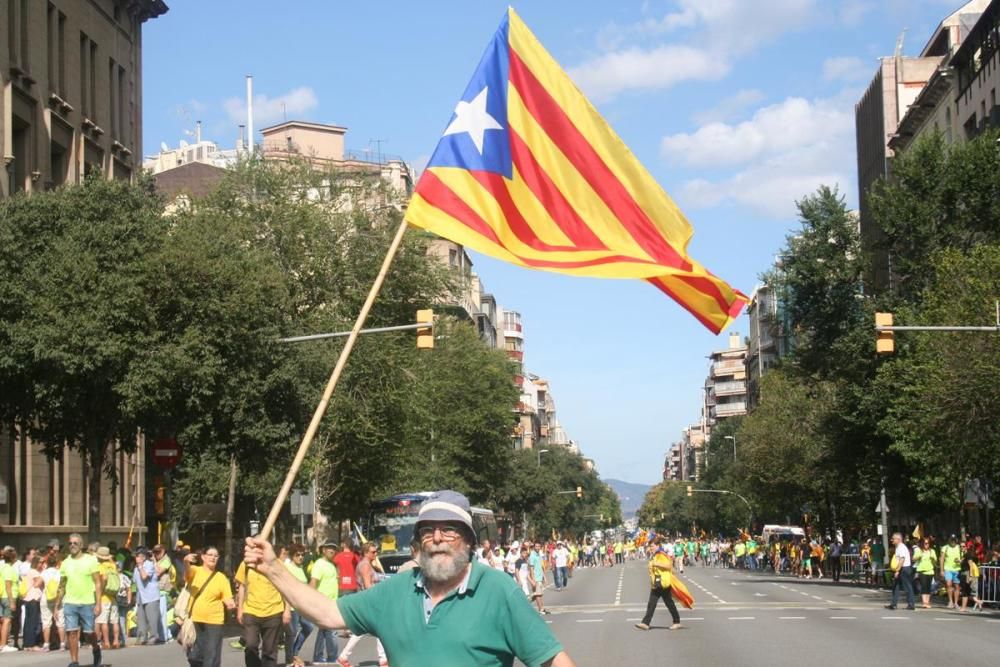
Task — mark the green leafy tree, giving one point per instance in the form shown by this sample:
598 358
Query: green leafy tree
943 413
76 279
940 196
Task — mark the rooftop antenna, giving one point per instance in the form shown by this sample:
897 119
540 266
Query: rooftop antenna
250 113
899 42
378 143
284 114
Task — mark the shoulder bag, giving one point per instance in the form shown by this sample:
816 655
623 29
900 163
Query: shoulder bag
187 635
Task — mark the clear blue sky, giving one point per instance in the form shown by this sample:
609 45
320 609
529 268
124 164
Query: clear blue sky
737 107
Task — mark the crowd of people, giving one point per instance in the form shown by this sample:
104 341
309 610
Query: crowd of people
107 597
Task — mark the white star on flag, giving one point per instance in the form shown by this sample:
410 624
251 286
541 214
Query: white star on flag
473 119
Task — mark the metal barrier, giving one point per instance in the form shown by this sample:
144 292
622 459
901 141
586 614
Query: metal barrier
989 584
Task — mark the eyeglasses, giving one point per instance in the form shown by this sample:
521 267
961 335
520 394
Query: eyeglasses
448 531
74 544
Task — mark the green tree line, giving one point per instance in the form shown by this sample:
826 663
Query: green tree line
122 314
835 421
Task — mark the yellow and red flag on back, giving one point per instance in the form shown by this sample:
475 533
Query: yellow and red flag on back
529 172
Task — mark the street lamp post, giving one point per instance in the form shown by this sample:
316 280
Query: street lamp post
540 452
733 438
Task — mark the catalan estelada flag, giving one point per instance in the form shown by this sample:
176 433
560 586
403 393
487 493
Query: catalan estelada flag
529 172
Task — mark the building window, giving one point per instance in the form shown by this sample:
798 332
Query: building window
84 51
112 107
124 124
93 78
24 34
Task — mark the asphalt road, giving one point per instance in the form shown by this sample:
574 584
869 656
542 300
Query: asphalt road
739 618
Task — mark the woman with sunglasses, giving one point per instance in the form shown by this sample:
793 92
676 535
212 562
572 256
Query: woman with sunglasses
211 595
925 558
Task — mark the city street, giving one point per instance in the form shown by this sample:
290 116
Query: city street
739 618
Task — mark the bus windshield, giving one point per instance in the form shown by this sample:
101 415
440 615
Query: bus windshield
392 529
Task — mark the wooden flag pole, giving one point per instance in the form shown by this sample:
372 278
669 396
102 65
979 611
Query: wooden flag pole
317 417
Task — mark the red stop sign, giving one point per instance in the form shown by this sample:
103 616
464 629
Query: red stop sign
166 452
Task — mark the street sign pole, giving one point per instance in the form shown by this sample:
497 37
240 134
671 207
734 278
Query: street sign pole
884 510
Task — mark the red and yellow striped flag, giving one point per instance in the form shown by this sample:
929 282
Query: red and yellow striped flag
529 172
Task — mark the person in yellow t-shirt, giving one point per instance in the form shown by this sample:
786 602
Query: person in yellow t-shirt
262 612
107 620
212 595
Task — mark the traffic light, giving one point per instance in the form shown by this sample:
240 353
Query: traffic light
425 335
690 490
885 342
579 492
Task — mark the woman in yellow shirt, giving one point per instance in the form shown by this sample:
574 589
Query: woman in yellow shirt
212 595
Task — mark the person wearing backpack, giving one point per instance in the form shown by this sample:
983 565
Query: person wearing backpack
107 620
50 611
123 599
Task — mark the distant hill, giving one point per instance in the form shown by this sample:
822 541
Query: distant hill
631 495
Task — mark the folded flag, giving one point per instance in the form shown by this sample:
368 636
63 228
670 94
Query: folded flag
680 593
528 171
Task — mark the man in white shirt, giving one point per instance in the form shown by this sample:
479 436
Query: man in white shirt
560 558
903 572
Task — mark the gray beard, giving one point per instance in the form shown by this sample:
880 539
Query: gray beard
440 570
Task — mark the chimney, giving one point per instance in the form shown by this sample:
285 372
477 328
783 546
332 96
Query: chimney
239 140
734 341
250 114
197 131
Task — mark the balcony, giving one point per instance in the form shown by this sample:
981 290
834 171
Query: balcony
730 409
730 388
728 369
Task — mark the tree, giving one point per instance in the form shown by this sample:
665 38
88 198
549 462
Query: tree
943 415
76 280
940 196
545 494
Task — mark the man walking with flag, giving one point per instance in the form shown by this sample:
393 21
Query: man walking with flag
664 586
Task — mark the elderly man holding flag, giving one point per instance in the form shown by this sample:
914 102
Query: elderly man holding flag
452 611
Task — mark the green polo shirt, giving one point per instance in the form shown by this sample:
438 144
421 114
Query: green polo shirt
485 622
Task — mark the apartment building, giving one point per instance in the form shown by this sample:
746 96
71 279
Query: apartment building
770 338
71 73
726 386
71 76
960 98
920 84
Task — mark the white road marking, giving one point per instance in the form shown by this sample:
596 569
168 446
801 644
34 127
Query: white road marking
618 593
791 618
760 595
947 619
895 618
590 620
815 597
843 618
742 618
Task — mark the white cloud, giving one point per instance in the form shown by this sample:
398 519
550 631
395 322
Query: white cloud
852 12
790 124
846 68
715 32
270 110
789 149
729 107
634 69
